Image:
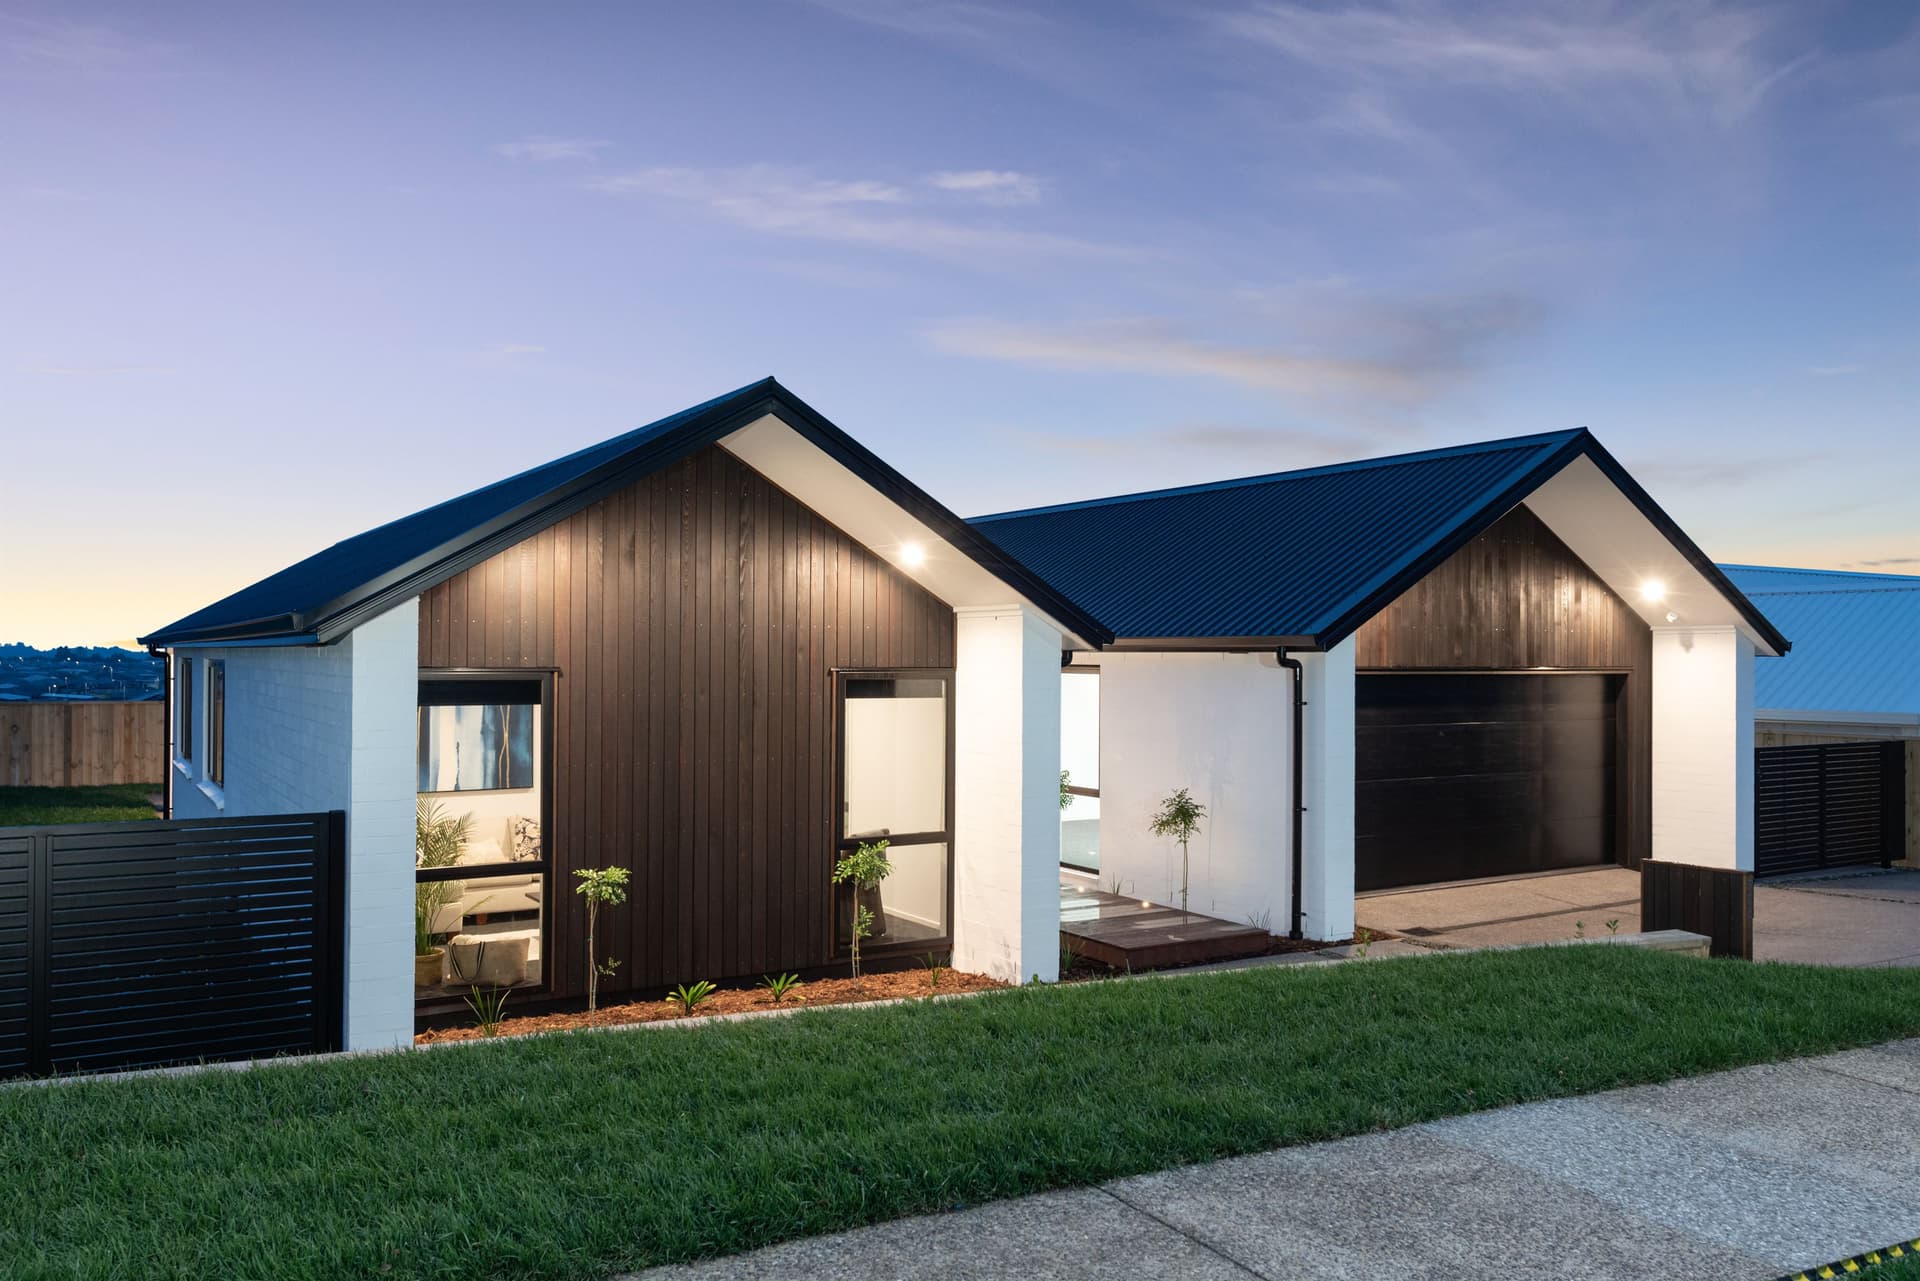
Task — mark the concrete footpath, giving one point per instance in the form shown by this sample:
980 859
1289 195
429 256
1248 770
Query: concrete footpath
1750 1174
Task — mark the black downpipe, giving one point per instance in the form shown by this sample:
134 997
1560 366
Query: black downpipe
1299 780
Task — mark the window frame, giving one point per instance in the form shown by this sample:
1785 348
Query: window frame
842 843
214 767
1068 672
480 678
183 696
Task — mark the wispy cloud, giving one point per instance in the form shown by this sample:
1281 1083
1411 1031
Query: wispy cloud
1711 473
1274 446
990 186
510 350
1398 351
1832 371
74 45
545 147
869 212
1885 562
1614 63
101 371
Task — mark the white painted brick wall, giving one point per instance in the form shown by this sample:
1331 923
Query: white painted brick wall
1703 746
1219 725
331 727
1326 873
1006 852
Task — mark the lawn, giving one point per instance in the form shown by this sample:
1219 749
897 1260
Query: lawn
114 803
577 1155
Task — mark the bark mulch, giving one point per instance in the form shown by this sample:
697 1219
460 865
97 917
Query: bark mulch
871 987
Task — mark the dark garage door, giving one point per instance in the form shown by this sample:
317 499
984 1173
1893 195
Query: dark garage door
1482 775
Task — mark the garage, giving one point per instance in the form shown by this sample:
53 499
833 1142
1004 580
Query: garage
1466 775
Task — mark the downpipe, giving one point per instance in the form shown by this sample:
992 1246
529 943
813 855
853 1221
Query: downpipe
1299 782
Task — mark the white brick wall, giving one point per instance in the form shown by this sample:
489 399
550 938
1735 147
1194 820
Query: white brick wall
1219 725
1006 876
1326 874
1703 746
331 727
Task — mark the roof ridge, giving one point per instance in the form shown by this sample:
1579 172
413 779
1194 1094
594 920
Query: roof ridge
1824 573
1299 473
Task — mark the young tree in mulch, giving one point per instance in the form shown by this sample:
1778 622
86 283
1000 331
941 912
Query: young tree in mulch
863 869
606 885
1179 817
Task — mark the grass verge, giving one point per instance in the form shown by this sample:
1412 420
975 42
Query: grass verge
113 803
575 1156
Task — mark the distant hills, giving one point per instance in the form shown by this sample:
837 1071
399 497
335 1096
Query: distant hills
79 673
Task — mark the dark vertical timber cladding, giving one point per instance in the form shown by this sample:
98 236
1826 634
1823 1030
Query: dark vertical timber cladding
1517 599
1714 901
1828 805
695 619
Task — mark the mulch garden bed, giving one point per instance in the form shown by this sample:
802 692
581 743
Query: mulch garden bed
742 1000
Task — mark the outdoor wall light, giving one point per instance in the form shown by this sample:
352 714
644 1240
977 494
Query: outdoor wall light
1653 591
913 555
1672 617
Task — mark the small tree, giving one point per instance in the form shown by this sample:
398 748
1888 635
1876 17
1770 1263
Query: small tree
1179 817
601 885
1066 784
863 869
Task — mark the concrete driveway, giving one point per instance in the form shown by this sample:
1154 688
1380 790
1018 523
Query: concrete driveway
1863 917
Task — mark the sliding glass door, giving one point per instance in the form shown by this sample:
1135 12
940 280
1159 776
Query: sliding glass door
894 731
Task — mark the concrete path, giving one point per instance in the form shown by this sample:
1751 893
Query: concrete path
1741 1175
1868 916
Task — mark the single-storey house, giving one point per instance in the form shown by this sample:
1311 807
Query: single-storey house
1850 682
723 648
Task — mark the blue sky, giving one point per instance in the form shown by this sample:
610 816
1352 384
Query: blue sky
273 275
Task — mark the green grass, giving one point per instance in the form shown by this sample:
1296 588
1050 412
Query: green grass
575 1156
1906 1268
113 803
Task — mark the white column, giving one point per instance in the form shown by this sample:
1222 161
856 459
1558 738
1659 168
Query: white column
1006 805
1703 746
380 820
1326 876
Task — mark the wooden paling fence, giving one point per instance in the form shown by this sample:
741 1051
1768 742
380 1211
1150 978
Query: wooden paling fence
82 744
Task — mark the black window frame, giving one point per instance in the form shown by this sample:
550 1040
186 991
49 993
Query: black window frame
1099 731
449 686
216 762
183 687
842 843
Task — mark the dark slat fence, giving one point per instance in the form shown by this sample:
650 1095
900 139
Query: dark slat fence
1828 805
127 945
1713 901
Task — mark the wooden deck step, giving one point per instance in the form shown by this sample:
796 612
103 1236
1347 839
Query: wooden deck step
1127 933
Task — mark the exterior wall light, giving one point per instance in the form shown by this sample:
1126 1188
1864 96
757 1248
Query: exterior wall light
1653 591
913 555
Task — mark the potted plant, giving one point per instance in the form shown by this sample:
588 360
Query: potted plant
438 840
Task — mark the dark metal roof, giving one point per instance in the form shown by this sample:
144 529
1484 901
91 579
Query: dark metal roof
1299 558
1854 639
323 597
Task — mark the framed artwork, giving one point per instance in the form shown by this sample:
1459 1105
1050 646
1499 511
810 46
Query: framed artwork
476 747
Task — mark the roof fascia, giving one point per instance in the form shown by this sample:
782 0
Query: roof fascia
1207 644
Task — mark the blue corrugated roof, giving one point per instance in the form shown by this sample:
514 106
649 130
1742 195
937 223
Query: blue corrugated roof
1293 554
1853 639
328 593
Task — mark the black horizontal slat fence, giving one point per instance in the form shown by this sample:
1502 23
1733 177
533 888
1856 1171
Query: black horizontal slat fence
126 945
1828 805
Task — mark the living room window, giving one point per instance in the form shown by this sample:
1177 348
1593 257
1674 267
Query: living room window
895 736
481 865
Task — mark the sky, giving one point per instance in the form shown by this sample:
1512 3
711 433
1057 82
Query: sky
271 275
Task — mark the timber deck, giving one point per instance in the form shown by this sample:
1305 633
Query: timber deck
1128 933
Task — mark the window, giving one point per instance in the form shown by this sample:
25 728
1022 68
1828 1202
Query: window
217 723
1080 768
893 735
183 708
481 866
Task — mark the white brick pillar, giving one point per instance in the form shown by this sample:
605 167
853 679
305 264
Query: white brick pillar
380 820
1326 877
1006 804
1703 746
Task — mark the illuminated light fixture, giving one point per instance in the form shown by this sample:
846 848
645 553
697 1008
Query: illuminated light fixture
1653 591
1672 617
913 555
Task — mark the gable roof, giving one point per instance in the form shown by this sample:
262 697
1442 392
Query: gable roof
1855 636
321 598
1301 558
